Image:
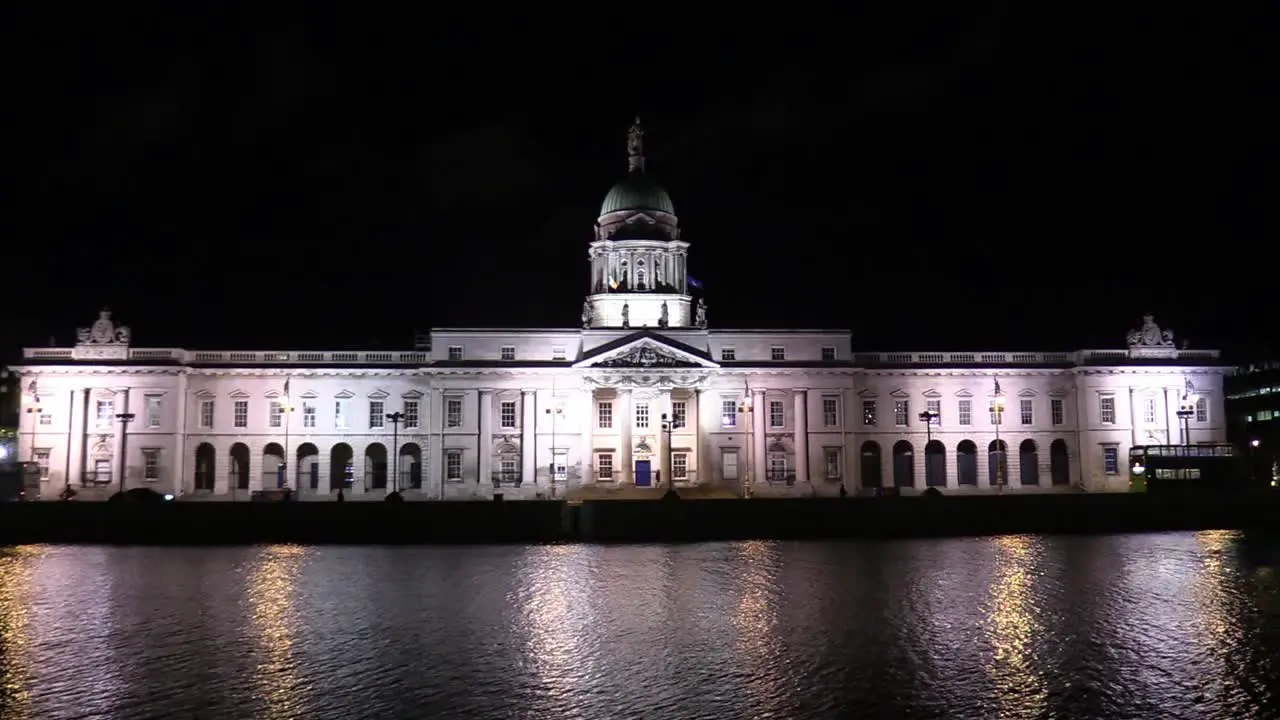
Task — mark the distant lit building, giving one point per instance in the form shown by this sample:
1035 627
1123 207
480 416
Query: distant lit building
1253 412
646 390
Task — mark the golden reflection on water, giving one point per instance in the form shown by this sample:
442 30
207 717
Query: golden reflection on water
756 618
557 622
1011 627
15 589
272 581
1215 611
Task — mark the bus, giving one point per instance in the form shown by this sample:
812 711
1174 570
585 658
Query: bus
19 481
1215 467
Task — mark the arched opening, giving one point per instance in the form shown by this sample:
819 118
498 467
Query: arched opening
411 466
273 466
967 463
341 469
1059 463
997 473
904 468
308 464
781 466
870 469
1028 463
375 467
238 470
935 464
206 465
640 285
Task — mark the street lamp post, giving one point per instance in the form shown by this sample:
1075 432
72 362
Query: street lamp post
927 417
745 408
997 407
668 425
1187 410
554 411
34 412
396 418
124 418
286 410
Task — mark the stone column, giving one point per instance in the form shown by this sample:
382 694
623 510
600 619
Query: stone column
179 463
528 438
758 462
664 440
801 398
586 419
626 420
484 448
700 462
75 444
120 445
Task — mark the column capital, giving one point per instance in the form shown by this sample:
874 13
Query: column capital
486 391
758 390
800 390
527 391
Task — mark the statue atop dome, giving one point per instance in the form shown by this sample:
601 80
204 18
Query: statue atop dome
635 147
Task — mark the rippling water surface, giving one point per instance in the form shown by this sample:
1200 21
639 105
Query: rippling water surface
1158 626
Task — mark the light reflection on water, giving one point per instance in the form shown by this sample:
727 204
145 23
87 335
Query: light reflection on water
1170 625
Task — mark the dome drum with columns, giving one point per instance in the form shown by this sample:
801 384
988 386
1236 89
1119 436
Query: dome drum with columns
638 261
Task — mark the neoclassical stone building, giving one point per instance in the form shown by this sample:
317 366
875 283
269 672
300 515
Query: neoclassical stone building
647 391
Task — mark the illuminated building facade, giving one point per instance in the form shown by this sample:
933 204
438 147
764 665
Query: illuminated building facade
645 391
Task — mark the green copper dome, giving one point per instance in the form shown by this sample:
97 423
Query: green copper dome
637 192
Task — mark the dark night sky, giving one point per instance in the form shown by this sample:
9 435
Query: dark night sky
967 179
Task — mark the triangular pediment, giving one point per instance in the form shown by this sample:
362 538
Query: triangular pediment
344 394
963 393
309 395
239 394
379 395
205 394
640 219
1027 393
899 393
932 394
271 394
646 349
412 395
868 393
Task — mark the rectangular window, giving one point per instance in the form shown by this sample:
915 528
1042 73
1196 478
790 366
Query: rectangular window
830 411
828 354
150 464
240 414
42 462
557 353
510 470
453 412
411 417
964 413
777 468
728 413
1149 411
831 458
308 414
341 414
604 415
996 412
1111 460
1202 410
901 413
868 412
777 416
106 412
453 465
1057 412
642 416
275 413
729 464
1107 410
46 419
934 407
377 414
680 466
507 415
508 352
455 352
728 353
777 352
560 465
604 466
206 414
153 411
679 413
1026 411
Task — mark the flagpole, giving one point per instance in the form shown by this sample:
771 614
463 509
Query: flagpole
288 411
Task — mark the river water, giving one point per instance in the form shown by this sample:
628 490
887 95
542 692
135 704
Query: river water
1142 626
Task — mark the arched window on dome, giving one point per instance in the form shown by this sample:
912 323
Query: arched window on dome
639 279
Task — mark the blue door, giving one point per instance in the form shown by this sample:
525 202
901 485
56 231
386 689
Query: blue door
642 473
315 476
280 470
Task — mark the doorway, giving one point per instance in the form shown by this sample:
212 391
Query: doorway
642 473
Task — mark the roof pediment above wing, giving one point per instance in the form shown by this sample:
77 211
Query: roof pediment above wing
646 349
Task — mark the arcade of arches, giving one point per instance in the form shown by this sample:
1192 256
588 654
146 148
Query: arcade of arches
310 473
1027 468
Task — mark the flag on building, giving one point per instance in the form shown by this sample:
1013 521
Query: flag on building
693 282
286 387
32 391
